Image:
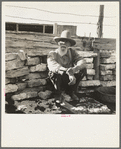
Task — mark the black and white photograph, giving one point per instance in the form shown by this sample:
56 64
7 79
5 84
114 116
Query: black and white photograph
61 59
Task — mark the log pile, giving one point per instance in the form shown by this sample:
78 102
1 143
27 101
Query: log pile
88 84
108 69
26 84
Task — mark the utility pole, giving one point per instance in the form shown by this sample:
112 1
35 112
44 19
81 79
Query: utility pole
100 22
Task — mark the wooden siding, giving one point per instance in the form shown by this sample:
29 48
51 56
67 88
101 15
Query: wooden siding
42 43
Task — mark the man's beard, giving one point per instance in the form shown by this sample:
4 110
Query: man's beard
62 52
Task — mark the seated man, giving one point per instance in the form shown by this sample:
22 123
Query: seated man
66 67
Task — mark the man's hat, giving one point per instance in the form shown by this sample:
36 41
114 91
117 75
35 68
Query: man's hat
65 36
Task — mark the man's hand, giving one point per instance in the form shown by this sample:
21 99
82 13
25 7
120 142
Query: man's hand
70 71
80 65
75 69
61 70
72 80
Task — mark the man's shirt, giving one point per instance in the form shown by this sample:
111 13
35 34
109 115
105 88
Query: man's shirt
55 61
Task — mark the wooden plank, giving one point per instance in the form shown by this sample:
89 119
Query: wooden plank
29 33
17 72
87 106
14 50
11 56
104 40
14 64
97 64
29 38
105 46
29 44
107 41
87 53
68 107
108 83
99 40
41 50
89 83
46 41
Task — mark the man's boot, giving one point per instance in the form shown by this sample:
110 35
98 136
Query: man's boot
59 98
66 97
74 97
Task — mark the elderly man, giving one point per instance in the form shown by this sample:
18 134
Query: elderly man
66 68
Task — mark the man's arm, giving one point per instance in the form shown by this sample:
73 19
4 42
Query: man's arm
53 65
79 63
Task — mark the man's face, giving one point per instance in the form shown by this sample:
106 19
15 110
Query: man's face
63 45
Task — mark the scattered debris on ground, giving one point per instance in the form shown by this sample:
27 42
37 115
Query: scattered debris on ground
46 105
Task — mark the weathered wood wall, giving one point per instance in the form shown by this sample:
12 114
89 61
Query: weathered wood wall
61 28
29 40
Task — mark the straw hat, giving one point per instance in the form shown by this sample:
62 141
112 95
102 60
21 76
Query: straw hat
65 36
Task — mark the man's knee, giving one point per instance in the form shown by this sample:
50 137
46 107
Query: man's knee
59 77
83 71
81 74
65 78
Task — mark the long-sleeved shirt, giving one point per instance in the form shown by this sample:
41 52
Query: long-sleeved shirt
55 61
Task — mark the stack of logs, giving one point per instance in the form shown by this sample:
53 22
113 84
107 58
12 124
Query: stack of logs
27 84
88 83
107 68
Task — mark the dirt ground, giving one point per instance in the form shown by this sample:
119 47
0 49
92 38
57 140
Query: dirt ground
88 104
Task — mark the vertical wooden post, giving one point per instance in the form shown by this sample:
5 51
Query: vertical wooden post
55 29
43 28
97 64
100 22
17 27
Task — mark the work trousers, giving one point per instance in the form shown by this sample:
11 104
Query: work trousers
60 82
